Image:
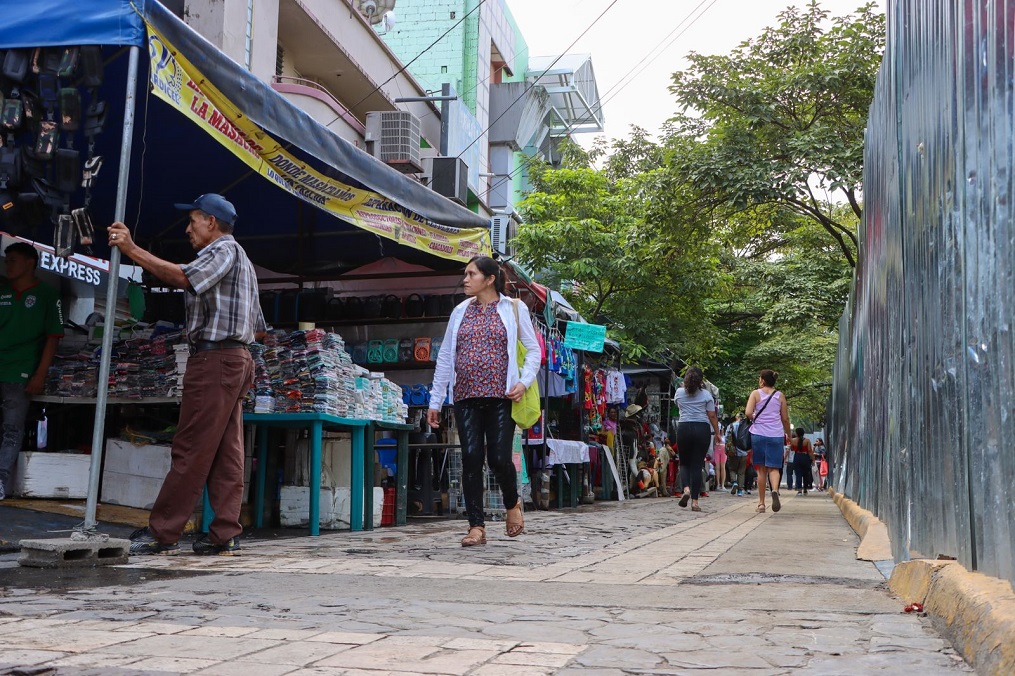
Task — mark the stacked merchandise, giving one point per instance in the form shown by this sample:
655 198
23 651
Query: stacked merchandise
73 376
140 368
311 372
261 397
144 367
181 351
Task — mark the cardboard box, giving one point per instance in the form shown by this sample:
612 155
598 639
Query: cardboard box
294 507
51 475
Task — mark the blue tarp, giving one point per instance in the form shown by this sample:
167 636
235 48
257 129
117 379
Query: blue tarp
174 160
51 23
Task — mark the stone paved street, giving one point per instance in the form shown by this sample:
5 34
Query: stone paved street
637 588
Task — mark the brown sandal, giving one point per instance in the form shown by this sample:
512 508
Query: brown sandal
476 536
515 520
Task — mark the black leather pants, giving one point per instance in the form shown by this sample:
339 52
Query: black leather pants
486 430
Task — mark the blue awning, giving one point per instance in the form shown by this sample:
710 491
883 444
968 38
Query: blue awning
173 160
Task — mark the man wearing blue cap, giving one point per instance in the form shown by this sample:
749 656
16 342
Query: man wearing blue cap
223 317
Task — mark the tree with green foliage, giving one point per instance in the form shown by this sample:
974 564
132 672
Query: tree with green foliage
780 120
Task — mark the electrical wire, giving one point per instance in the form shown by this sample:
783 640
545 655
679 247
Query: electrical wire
607 95
530 85
414 59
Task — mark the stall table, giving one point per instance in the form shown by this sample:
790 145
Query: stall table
573 455
361 495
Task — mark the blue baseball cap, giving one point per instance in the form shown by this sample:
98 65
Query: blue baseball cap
213 205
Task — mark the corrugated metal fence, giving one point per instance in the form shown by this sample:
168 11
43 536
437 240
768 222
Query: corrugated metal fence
922 409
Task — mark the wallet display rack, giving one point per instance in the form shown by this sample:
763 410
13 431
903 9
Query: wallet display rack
43 118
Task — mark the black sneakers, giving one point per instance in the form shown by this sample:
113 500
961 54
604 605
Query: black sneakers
143 542
204 546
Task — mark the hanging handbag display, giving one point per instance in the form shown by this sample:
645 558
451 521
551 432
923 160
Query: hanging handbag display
435 347
391 307
360 353
414 305
431 305
372 307
353 308
446 304
527 411
334 309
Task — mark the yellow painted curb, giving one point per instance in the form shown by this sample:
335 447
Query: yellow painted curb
974 611
874 542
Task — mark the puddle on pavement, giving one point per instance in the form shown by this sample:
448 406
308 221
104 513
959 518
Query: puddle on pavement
768 578
70 579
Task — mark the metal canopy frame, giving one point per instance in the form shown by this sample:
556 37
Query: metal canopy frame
574 95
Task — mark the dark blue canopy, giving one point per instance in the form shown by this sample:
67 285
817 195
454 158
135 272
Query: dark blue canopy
174 160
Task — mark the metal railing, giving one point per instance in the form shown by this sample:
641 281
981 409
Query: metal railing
925 374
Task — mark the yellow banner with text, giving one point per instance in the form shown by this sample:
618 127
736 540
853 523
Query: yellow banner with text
177 82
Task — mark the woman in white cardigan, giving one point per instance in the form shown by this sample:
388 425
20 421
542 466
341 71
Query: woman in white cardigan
478 362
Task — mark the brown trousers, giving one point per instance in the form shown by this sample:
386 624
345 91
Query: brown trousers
208 447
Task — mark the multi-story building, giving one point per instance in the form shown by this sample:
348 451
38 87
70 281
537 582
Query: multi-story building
342 60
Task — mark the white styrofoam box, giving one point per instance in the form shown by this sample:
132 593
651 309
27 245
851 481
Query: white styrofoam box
130 490
336 461
51 475
294 506
124 457
132 475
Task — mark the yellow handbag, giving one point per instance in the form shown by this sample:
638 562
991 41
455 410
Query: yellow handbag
525 412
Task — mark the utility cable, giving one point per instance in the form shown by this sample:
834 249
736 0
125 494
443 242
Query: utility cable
414 59
607 95
530 85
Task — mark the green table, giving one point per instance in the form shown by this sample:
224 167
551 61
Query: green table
361 490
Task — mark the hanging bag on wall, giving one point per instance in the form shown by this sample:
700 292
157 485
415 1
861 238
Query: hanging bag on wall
421 349
353 308
742 439
414 305
391 307
525 412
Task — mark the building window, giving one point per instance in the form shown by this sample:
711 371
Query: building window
279 59
248 42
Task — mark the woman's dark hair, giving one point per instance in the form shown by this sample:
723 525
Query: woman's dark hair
693 379
488 267
800 439
768 376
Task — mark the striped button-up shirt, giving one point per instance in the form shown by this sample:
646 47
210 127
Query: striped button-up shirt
222 303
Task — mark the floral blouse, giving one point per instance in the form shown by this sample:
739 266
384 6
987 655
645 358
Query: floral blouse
481 358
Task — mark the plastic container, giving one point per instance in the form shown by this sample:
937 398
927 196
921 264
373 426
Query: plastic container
387 455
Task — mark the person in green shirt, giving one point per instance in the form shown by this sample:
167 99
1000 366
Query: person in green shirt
31 325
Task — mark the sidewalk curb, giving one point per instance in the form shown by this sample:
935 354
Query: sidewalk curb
874 542
974 611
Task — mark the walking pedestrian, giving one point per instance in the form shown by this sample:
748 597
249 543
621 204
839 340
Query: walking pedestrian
31 325
223 317
737 460
769 413
697 427
478 362
803 454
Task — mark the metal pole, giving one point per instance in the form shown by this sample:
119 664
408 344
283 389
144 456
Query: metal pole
445 113
109 325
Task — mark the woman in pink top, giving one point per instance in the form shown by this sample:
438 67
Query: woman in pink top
769 415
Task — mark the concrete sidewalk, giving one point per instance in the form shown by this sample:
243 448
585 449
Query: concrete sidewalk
641 587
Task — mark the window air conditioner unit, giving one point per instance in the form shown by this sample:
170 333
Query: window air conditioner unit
450 177
392 136
501 230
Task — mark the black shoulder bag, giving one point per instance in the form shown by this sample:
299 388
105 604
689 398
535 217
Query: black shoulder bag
742 440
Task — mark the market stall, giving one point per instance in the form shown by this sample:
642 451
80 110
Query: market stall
331 207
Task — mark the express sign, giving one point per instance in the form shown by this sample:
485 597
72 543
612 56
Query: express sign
69 267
